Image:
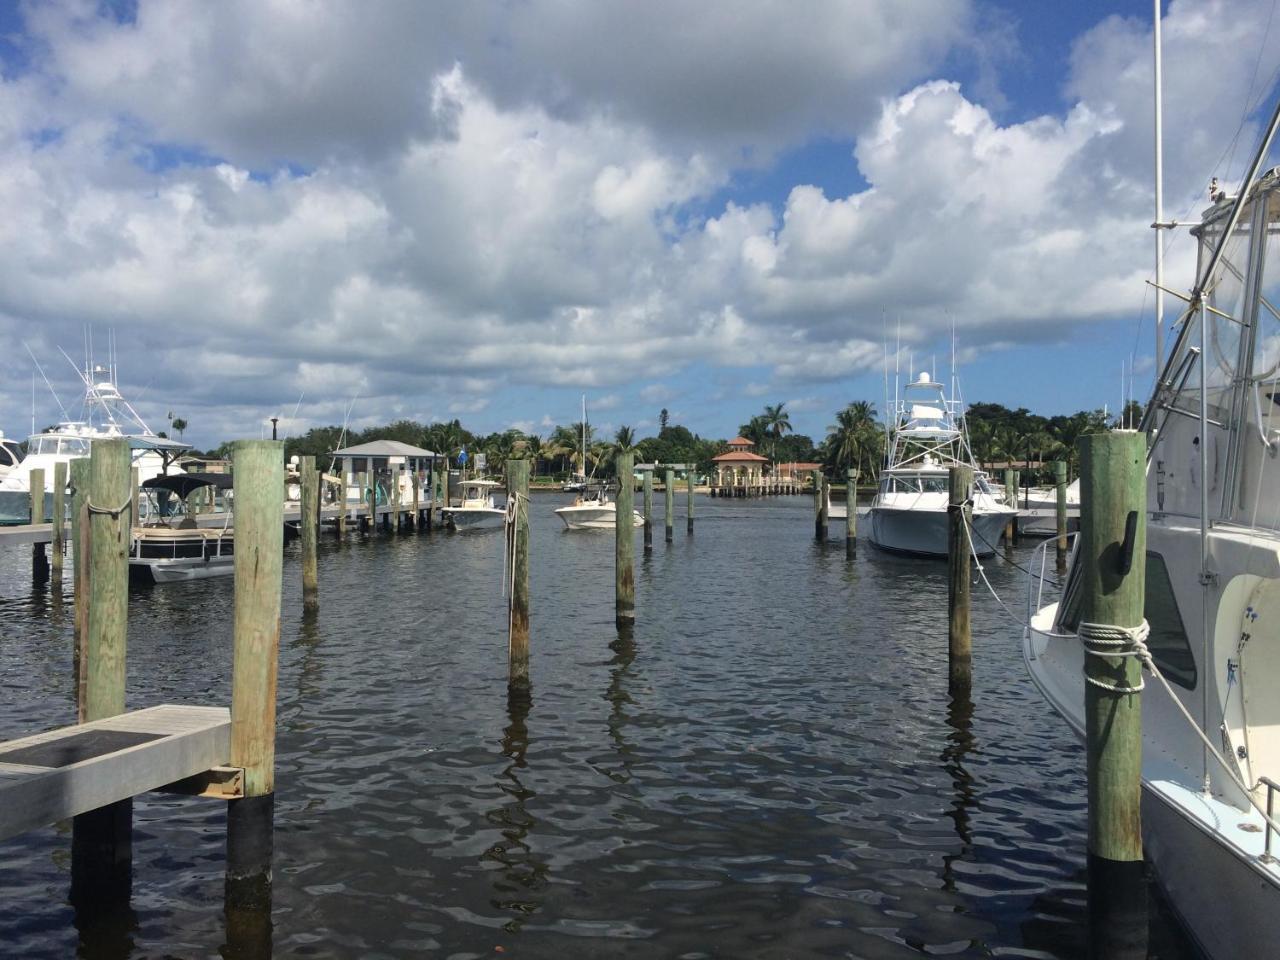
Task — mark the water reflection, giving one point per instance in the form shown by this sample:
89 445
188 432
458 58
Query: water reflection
520 871
960 741
624 653
248 930
311 663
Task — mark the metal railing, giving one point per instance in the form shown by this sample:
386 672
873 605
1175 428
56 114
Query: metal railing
1036 580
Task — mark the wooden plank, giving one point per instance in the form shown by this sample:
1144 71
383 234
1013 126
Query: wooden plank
189 740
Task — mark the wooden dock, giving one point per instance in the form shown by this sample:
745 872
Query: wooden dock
51 776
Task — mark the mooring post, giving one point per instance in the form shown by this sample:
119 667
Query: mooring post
690 476
648 511
308 508
394 481
824 507
850 513
959 550
135 495
1011 495
79 576
1113 553
417 505
59 517
101 840
625 543
669 501
518 532
431 494
818 533
39 565
1060 483
371 496
259 478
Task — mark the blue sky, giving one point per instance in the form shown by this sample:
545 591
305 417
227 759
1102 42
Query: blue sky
484 211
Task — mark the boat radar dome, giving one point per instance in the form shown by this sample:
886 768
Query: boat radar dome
923 378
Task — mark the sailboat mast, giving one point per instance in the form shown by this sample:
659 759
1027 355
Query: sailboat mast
1159 225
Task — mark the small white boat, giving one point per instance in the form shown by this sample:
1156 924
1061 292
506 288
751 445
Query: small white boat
475 507
909 512
172 548
593 510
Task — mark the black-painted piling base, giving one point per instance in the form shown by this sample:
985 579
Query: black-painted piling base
1117 910
250 845
102 857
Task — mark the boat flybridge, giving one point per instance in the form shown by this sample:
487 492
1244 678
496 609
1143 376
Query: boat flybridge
475 507
107 415
593 510
171 546
909 512
1211 727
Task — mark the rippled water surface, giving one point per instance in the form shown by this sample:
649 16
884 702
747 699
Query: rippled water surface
768 767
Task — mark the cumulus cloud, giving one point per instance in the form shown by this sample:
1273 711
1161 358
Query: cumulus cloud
422 207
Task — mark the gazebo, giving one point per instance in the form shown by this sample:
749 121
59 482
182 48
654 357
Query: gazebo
739 472
389 460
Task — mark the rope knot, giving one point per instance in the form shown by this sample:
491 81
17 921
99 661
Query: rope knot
114 514
1110 640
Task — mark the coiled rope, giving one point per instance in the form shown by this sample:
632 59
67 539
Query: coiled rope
1109 640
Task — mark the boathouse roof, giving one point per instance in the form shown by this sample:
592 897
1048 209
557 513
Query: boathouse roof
384 448
741 442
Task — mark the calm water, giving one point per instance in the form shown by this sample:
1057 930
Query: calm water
769 767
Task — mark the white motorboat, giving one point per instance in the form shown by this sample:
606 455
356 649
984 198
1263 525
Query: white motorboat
475 507
593 510
173 547
909 512
107 415
10 456
1038 509
1212 592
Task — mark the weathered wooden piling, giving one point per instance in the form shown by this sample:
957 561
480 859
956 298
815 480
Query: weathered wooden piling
819 532
79 575
1113 554
39 564
959 550
101 840
1060 485
625 543
57 547
371 501
518 534
690 478
824 506
1011 495
648 511
851 513
394 497
135 495
259 478
669 501
416 482
308 510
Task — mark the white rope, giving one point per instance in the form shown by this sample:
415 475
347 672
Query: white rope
1109 640
983 573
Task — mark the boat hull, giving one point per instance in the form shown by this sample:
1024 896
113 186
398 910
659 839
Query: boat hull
593 518
150 570
479 518
923 533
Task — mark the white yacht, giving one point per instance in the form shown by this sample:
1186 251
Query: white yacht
171 546
1038 509
475 507
593 510
10 456
1212 592
909 512
107 415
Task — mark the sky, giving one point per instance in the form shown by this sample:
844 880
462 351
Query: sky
332 212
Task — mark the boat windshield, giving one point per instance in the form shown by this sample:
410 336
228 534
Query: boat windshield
913 485
54 445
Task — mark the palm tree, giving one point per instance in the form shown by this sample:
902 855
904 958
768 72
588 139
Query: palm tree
776 422
755 430
624 441
855 438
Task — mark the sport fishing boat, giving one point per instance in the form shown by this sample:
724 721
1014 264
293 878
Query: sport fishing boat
107 415
1211 708
172 546
593 510
475 507
909 512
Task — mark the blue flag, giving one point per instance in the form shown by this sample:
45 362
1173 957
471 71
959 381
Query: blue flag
462 457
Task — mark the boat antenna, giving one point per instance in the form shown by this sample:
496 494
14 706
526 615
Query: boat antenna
47 384
1159 225
343 435
296 407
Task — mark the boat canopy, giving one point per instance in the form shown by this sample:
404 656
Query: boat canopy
183 483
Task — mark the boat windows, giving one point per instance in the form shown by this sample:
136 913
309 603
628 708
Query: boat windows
914 485
1168 642
59 446
7 458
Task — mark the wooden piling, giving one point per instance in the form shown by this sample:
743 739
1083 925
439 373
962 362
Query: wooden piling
308 509
394 497
1060 483
648 511
959 551
135 495
518 642
259 478
1011 495
79 575
669 501
819 533
417 507
39 564
690 478
1113 585
101 843
824 507
59 518
851 513
625 542
371 501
